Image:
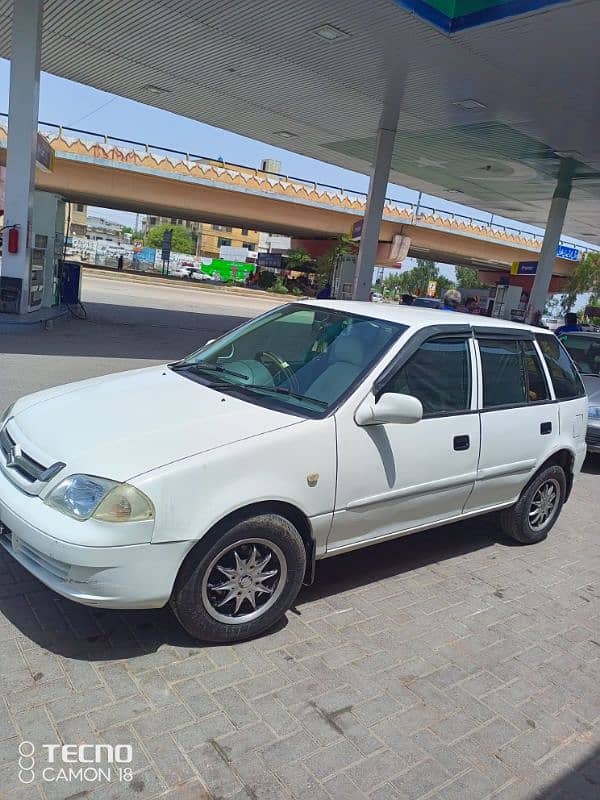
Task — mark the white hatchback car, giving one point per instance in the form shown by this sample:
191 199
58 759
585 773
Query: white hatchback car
315 429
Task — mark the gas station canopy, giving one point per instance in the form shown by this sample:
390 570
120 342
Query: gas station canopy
494 93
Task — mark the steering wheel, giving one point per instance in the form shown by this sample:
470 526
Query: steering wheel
280 365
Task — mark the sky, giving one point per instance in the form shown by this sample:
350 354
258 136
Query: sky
72 104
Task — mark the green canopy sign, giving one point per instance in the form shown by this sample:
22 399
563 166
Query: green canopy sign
457 15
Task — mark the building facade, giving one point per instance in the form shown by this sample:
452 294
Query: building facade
75 219
208 237
104 230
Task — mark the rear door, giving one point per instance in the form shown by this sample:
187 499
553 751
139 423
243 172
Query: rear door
519 416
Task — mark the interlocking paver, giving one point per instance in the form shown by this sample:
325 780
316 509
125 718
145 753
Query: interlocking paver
449 665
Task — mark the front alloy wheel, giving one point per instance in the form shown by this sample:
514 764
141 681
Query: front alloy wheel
240 579
244 581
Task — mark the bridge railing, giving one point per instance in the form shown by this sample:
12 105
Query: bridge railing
416 212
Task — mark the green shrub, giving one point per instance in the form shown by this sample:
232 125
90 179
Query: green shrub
266 279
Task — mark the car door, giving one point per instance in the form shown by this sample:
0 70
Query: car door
393 478
519 418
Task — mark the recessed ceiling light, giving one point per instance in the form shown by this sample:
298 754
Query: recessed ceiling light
469 104
286 134
330 32
568 153
154 89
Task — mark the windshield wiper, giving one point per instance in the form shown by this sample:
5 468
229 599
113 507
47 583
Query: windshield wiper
195 366
252 389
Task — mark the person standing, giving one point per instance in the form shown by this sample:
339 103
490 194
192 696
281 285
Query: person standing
472 305
571 325
452 300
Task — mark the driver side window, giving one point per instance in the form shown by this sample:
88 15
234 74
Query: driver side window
438 374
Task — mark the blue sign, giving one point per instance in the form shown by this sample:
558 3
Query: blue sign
356 232
570 253
524 268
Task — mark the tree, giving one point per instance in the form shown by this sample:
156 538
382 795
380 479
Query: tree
416 280
296 258
325 263
134 234
181 242
467 278
586 278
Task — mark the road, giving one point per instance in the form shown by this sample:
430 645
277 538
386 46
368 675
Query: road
129 324
170 296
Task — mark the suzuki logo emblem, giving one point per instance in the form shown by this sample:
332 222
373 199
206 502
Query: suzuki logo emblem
14 455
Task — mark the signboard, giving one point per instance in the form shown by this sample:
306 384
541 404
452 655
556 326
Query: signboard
269 260
166 244
229 253
44 155
431 288
565 251
138 245
356 231
523 268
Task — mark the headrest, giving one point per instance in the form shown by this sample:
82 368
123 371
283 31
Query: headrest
350 349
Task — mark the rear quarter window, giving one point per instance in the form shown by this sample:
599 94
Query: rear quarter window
565 378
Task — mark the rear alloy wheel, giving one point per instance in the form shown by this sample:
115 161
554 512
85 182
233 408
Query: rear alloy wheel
538 508
242 581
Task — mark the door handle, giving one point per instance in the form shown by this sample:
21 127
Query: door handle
462 442
545 428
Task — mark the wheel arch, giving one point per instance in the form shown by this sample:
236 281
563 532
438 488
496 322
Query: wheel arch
286 510
564 458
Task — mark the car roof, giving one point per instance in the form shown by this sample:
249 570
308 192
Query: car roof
417 317
583 334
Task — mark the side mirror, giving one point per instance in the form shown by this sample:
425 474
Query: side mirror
395 408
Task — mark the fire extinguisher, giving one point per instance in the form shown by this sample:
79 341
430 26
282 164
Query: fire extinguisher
13 239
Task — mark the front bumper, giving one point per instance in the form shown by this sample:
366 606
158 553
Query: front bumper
115 576
592 438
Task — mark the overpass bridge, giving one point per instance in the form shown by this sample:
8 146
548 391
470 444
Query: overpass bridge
101 170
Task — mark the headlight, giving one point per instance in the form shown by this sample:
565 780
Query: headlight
85 496
594 413
6 414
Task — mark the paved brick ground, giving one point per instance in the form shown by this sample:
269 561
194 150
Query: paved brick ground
450 664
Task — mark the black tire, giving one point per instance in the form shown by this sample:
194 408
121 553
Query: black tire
516 521
194 598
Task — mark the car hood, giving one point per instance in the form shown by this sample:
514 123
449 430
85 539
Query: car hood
122 425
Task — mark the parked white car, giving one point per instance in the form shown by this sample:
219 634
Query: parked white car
315 429
190 272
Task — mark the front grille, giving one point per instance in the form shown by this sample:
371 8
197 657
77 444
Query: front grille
25 466
593 436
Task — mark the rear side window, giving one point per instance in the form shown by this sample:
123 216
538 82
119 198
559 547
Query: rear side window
566 381
439 375
504 378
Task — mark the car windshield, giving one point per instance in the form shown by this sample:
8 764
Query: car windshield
297 358
584 350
